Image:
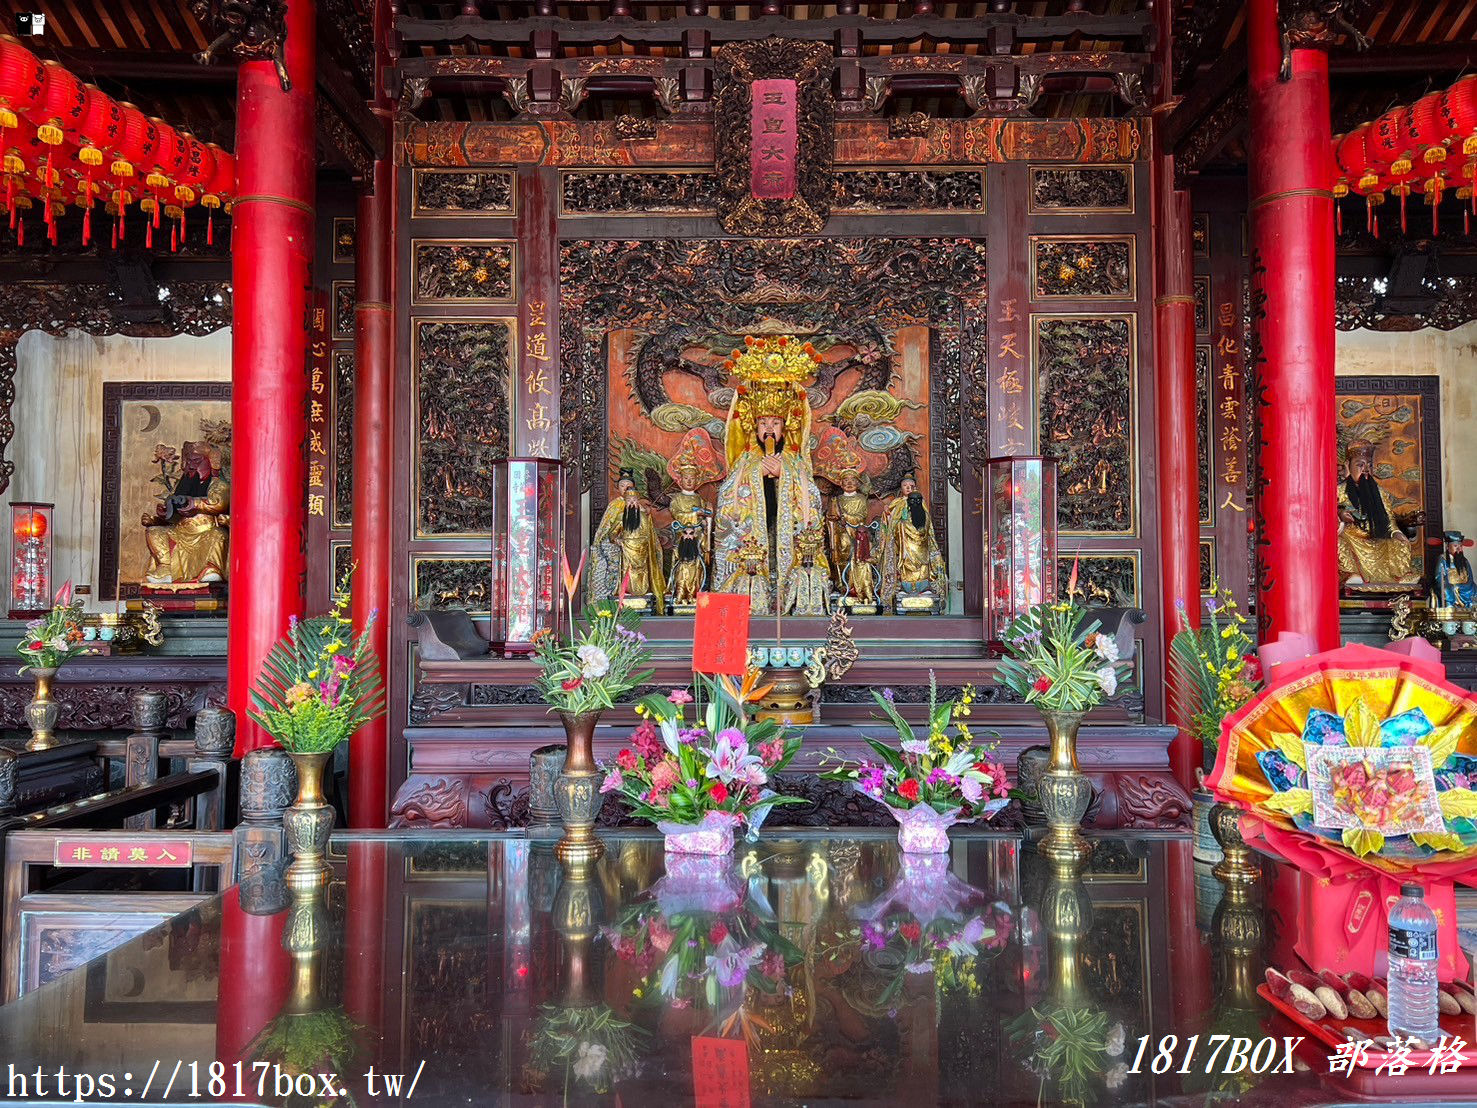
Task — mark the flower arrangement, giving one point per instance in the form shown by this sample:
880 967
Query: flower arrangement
1215 665
591 1046
1058 659
945 770
319 683
714 769
325 1041
56 637
599 662
1070 1046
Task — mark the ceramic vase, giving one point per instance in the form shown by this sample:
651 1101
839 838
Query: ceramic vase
42 711
307 824
577 794
921 830
1065 792
712 835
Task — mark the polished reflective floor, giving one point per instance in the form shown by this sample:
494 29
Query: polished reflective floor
816 969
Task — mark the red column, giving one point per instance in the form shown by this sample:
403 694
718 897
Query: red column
1176 431
254 977
374 379
364 933
1292 245
271 256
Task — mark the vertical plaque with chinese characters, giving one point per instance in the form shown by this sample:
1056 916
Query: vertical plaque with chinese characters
775 133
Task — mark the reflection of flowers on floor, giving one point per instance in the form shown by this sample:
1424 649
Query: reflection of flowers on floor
589 1046
701 940
1073 1047
929 921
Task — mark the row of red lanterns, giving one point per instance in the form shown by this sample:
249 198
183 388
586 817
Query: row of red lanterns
63 141
1426 148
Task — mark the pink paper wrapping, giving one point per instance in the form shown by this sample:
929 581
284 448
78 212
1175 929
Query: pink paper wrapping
1344 921
1289 646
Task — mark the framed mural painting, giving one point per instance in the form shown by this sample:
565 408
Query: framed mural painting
1395 421
166 494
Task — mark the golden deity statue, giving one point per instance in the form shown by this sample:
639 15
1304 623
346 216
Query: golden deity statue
1372 544
187 533
694 465
807 591
770 494
751 574
850 531
914 579
627 551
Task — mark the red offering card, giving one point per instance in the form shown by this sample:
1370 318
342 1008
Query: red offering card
720 1068
720 640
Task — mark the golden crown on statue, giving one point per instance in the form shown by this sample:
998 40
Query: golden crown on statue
771 374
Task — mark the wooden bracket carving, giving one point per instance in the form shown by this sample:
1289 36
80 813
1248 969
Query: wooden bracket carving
255 30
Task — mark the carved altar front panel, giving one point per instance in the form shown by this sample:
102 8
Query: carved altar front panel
1084 367
460 386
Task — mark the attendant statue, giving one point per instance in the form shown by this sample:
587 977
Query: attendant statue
859 584
628 553
1452 585
751 574
913 575
807 591
850 531
1372 545
770 494
694 465
187 533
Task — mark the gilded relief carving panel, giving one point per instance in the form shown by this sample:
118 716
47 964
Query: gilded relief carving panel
461 391
1085 370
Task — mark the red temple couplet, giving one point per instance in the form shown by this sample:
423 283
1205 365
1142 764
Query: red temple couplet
773 139
720 641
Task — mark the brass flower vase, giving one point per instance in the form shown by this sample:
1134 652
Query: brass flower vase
577 794
1065 794
42 711
307 824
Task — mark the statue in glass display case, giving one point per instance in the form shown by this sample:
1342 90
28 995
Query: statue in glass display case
628 554
1452 585
769 496
751 574
695 464
1373 546
914 580
807 591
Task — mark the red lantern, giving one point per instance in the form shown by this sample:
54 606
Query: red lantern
1350 154
1390 149
63 103
135 150
199 164
1459 106
22 80
220 187
1428 128
100 132
168 160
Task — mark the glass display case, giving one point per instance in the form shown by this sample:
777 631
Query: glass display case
30 561
1020 539
527 548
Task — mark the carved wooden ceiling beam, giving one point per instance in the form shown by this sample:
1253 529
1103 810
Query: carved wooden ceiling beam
989 83
349 136
998 31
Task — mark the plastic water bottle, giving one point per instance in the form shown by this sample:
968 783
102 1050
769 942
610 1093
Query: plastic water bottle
1414 1005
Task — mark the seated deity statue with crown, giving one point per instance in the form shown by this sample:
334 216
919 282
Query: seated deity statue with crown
770 496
